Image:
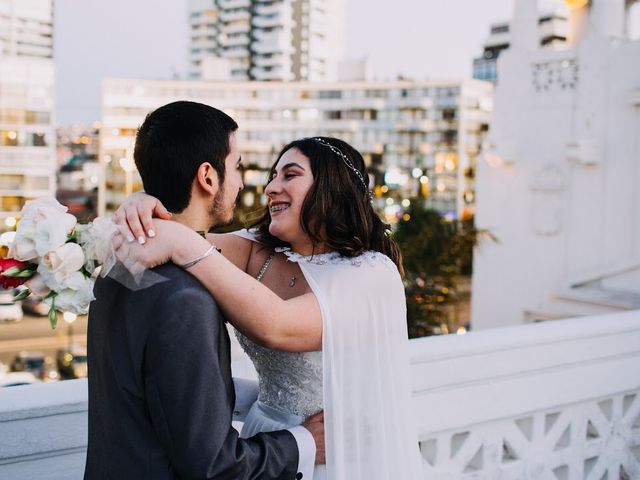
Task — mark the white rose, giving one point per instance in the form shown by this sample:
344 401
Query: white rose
65 259
37 286
52 232
40 205
61 266
76 297
44 225
23 246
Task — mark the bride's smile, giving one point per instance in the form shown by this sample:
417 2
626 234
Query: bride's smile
287 190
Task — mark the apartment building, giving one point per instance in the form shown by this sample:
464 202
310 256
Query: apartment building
419 139
27 137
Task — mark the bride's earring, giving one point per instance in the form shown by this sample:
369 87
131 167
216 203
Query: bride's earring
292 280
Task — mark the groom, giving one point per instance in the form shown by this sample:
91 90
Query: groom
161 396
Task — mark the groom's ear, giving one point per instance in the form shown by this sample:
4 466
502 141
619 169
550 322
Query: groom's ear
207 178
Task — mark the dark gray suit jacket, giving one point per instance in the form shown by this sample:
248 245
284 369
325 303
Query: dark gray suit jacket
160 389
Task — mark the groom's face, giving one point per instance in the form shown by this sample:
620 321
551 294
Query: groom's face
224 202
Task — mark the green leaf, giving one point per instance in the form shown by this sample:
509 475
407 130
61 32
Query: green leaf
22 295
25 274
53 314
11 272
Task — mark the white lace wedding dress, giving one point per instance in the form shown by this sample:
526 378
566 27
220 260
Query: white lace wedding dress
360 379
290 390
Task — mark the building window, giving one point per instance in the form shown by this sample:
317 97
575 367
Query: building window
376 93
449 115
38 117
11 182
500 29
8 138
38 139
12 204
37 183
328 94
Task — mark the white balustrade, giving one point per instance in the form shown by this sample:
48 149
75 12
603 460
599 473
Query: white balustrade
558 400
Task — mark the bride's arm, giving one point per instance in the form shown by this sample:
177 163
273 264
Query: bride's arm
293 325
135 217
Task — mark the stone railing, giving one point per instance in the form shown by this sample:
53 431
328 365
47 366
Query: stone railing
559 400
43 431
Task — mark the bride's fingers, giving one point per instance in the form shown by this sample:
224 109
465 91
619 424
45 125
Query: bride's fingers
121 222
133 221
161 212
144 215
117 240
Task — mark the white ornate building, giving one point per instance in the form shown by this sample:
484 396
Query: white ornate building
560 184
552 32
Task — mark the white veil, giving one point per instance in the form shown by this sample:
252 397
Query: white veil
367 396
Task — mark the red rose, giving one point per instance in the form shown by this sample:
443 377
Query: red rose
11 282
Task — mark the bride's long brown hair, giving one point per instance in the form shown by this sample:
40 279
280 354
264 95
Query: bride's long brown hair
337 210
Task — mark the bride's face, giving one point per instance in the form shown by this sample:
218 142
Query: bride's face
286 192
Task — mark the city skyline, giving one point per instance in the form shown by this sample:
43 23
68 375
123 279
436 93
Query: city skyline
429 41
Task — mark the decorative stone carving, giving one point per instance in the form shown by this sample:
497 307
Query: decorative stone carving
555 76
584 151
547 187
592 440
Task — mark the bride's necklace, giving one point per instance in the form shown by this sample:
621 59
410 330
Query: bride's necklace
265 266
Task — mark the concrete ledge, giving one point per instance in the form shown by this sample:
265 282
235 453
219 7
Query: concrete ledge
44 430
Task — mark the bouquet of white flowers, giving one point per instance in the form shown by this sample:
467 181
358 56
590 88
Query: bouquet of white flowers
56 258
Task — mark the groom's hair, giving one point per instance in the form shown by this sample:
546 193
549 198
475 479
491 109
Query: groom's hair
173 142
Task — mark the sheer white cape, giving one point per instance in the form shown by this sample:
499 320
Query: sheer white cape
369 432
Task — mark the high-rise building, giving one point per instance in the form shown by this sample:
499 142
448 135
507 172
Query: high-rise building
420 140
27 137
552 31
283 40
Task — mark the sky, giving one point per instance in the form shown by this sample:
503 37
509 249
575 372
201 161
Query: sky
95 39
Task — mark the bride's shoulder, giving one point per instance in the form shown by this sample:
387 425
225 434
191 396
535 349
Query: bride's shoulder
236 246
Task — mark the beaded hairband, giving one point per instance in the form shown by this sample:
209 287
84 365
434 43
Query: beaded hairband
347 161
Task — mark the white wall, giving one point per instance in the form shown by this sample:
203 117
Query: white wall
564 201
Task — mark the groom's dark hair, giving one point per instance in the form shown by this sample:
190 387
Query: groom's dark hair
173 142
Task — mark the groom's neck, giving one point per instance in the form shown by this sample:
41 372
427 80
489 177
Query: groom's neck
194 218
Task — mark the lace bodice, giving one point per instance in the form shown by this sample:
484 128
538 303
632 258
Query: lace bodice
288 381
334 258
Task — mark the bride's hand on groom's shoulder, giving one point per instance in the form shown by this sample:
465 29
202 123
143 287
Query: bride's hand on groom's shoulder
156 251
315 425
135 217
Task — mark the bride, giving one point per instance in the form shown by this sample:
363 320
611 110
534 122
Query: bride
320 310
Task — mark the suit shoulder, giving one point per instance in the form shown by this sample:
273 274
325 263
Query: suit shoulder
156 285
